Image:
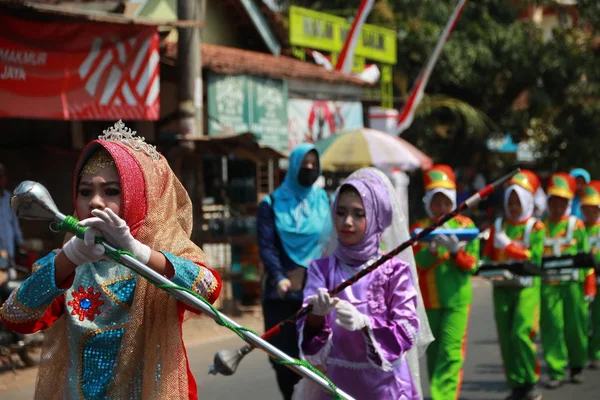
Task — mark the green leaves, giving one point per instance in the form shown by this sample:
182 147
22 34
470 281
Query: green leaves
498 73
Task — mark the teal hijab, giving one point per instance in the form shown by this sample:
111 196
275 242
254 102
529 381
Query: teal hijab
302 214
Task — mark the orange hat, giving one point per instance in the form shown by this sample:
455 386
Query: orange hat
440 176
591 194
562 185
526 179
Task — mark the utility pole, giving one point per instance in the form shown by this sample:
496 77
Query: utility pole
190 104
186 162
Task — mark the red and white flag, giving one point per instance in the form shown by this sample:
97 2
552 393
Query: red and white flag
407 113
344 63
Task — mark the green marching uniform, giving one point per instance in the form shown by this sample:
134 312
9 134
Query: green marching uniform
445 282
517 302
593 233
564 318
591 198
517 298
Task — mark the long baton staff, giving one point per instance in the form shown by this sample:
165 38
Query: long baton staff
31 200
227 361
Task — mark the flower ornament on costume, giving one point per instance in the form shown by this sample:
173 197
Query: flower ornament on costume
86 304
376 292
120 133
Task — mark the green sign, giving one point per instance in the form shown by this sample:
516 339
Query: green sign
249 104
327 32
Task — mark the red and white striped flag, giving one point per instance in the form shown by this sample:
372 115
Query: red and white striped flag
344 63
407 113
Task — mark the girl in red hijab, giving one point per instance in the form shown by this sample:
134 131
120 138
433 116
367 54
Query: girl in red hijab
109 333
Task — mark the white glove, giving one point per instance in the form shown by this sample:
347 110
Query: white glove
450 242
432 247
501 241
322 303
81 251
116 232
348 317
283 286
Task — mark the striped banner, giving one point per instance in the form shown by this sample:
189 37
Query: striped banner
346 59
407 113
76 70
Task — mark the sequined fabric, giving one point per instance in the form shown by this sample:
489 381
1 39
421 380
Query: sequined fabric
97 362
190 275
16 312
101 159
29 302
121 290
151 362
41 290
94 343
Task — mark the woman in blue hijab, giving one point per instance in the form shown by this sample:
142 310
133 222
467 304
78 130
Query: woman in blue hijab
293 224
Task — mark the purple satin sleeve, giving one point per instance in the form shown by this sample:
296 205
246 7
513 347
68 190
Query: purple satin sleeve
395 331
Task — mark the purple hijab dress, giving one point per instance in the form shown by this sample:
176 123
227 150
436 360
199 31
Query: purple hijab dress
366 365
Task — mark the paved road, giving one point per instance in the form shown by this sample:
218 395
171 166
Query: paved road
484 376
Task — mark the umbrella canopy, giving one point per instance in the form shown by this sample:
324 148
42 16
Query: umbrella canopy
366 147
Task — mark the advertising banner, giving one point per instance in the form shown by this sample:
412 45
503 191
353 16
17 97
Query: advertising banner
78 71
313 120
249 104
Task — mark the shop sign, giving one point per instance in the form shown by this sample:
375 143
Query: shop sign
253 104
320 31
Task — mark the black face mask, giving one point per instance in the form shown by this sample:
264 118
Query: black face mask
307 176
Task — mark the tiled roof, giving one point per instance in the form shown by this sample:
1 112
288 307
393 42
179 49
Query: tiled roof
230 60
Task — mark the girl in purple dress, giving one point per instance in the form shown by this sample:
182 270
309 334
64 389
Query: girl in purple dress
363 337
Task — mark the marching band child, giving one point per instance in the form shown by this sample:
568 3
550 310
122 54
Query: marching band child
445 267
362 335
109 333
564 311
590 208
518 237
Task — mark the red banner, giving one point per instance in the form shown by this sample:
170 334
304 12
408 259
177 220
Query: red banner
63 70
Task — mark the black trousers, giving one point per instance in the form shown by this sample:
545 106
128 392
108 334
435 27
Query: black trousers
287 341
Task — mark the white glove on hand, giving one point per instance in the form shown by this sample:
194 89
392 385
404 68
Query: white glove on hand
501 241
348 317
81 251
322 303
450 242
432 247
283 286
116 232
589 299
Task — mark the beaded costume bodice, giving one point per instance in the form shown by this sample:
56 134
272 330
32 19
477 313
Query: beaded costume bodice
98 307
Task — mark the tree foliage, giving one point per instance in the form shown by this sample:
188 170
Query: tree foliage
546 90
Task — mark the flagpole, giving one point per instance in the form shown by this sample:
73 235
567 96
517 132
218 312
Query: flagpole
416 95
346 58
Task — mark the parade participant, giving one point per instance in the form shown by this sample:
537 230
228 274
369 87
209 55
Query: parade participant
445 267
10 233
292 224
364 335
590 208
518 237
564 318
109 333
582 177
